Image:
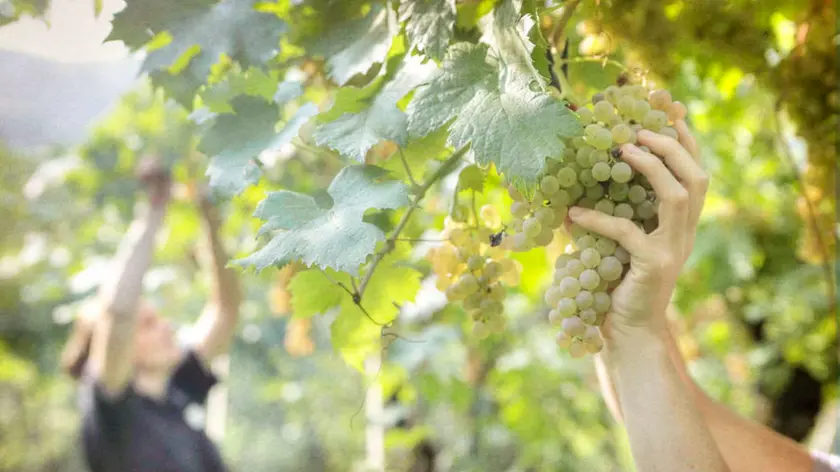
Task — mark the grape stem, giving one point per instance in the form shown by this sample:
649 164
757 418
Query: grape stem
444 169
407 169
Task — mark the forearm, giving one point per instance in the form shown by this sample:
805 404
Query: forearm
746 446
666 430
225 289
120 293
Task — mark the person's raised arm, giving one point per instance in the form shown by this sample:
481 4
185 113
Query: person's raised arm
746 446
218 321
111 349
666 429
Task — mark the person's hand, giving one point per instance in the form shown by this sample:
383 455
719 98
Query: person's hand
657 258
156 181
206 206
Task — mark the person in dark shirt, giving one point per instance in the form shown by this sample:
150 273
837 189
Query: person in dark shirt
139 390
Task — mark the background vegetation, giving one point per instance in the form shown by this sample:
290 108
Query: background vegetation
757 299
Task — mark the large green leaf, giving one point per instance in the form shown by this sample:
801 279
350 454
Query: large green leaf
334 237
429 25
313 293
354 46
203 29
235 140
498 110
353 134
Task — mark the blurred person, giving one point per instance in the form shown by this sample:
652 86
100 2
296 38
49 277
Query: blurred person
671 423
137 384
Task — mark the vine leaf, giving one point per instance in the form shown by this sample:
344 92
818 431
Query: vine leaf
353 134
353 47
199 33
234 141
334 237
498 110
429 25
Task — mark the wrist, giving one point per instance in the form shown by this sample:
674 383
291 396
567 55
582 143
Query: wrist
621 338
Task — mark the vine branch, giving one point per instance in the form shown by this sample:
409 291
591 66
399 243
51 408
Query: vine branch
812 212
444 168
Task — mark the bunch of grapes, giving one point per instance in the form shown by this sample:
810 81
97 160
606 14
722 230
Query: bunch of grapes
594 176
471 267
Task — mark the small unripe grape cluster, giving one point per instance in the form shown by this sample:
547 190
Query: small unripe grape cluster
470 268
595 177
534 221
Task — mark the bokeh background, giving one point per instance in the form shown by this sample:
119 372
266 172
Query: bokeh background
756 302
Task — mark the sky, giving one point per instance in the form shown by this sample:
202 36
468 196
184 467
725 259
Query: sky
71 33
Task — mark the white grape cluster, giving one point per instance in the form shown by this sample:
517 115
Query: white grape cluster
472 267
534 221
594 176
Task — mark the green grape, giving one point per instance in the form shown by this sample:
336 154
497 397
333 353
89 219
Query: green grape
588 316
584 158
561 261
577 349
601 302
594 346
601 171
605 246
605 206
584 299
554 317
553 295
623 210
491 307
531 227
637 194
559 274
598 97
480 330
578 231
625 105
585 241
545 216
567 307
586 178
569 286
568 154
519 209
586 115
622 255
645 210
670 132
459 237
560 213
490 216
589 279
590 257
574 268
493 270
610 268
567 177
549 185
600 155
621 133
573 326
539 199
560 199
655 120
586 203
578 142
575 192
595 192
639 92
618 191
621 172
521 242
660 99
601 140
592 130
604 111
553 166
455 292
497 291
515 194
472 302
563 340
640 110
611 93
544 237
475 262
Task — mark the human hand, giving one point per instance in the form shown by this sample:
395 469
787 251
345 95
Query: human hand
680 183
156 181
